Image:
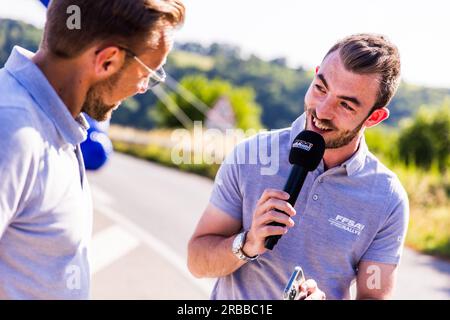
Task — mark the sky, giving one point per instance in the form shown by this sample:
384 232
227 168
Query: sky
303 31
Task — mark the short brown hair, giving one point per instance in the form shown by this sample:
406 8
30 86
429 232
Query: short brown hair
122 22
372 54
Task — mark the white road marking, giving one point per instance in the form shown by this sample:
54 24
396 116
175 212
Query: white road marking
205 285
110 245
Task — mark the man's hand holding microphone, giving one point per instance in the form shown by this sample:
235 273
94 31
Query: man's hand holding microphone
274 210
265 214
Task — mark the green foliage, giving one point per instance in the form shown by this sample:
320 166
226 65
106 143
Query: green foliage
247 112
409 98
426 139
429 223
422 141
184 59
419 155
278 88
382 141
14 33
158 154
429 230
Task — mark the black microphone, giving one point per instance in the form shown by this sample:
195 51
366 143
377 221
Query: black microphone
306 153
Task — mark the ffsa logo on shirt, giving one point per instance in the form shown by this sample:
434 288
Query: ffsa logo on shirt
347 224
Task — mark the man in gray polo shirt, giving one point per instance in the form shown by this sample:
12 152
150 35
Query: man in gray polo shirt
45 204
350 219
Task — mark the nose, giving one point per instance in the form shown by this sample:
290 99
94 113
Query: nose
325 109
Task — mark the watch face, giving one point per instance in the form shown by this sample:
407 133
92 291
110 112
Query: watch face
237 243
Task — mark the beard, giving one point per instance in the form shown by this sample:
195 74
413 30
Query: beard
93 105
341 138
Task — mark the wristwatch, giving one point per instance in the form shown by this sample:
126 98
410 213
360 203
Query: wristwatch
238 244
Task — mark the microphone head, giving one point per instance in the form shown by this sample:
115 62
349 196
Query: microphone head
307 150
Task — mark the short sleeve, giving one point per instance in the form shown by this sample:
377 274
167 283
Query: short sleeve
387 245
226 194
18 162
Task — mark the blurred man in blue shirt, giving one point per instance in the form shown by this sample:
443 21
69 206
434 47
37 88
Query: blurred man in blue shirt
116 51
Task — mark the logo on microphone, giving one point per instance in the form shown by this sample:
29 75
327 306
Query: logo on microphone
302 145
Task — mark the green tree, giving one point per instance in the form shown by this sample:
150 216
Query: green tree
382 140
14 33
425 140
242 99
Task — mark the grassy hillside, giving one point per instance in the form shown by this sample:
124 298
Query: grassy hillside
279 89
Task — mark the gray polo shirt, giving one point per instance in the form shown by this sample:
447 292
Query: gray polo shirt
45 204
353 212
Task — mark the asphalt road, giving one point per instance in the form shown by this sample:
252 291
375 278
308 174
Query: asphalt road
144 217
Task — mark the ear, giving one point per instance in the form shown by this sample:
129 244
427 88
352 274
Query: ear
376 117
108 61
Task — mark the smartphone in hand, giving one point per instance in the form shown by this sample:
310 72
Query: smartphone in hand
292 290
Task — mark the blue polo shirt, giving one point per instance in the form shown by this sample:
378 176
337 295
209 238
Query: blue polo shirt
353 212
45 204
